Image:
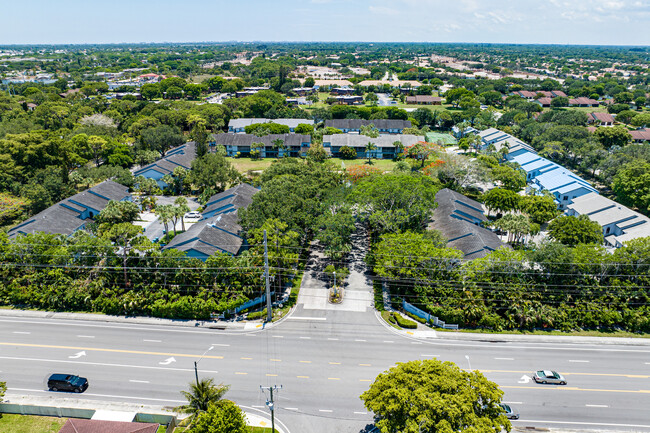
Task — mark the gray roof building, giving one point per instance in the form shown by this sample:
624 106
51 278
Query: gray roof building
73 213
230 200
206 237
239 125
391 126
181 156
457 218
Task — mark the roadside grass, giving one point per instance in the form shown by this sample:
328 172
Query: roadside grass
243 165
387 315
30 424
293 297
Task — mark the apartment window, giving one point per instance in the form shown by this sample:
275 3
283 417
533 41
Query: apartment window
566 197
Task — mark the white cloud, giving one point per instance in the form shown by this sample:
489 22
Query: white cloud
383 10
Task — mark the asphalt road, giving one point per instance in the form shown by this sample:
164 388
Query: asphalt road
324 360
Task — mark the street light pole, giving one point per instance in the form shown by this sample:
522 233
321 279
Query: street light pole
196 364
270 403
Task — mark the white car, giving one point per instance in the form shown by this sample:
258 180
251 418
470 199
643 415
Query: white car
194 215
549 376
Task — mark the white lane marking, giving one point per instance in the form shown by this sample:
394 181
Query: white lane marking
429 356
85 336
221 345
259 407
138 381
291 408
388 341
167 361
596 405
153 341
305 318
332 339
524 379
277 336
104 395
578 360
78 355
505 359
325 410
22 332
361 413
360 340
305 338
103 364
512 402
582 423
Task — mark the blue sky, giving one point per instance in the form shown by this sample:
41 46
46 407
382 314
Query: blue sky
608 22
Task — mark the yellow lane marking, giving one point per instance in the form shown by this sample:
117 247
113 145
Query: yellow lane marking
569 388
335 363
365 380
275 360
409 332
364 365
271 375
333 378
95 349
302 377
633 376
239 372
305 362
245 358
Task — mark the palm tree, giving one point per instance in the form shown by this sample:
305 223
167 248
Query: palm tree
183 208
279 146
201 395
369 148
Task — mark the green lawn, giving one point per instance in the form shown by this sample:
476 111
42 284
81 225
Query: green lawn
243 165
30 424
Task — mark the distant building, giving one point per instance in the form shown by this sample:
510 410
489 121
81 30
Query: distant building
349 100
238 126
342 91
77 425
74 213
424 100
601 119
385 126
583 102
181 156
640 135
303 91
620 224
296 145
544 102
385 144
459 219
500 139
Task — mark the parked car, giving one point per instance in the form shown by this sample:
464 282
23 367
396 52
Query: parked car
193 215
549 376
67 382
510 412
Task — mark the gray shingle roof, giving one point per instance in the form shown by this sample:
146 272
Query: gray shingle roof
181 156
230 139
450 219
65 217
357 140
358 123
219 233
236 197
244 122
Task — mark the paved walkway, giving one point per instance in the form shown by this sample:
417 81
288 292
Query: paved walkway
357 295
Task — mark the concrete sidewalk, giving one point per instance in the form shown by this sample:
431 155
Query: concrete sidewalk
239 326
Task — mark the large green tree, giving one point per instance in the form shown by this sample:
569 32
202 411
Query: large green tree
632 185
117 212
212 173
615 136
435 396
201 395
501 200
571 230
224 417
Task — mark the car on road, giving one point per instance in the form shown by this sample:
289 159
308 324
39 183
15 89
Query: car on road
193 215
67 382
549 376
509 411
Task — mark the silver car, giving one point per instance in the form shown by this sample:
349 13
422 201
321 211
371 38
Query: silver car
509 411
549 376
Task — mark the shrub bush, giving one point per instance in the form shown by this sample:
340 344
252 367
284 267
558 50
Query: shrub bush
404 323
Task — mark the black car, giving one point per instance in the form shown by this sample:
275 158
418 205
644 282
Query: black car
67 382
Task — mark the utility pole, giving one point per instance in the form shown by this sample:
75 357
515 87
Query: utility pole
270 404
269 313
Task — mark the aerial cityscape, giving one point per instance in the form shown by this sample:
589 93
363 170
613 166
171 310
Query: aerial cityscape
325 216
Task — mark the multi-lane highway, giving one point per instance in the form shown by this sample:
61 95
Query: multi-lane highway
324 359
